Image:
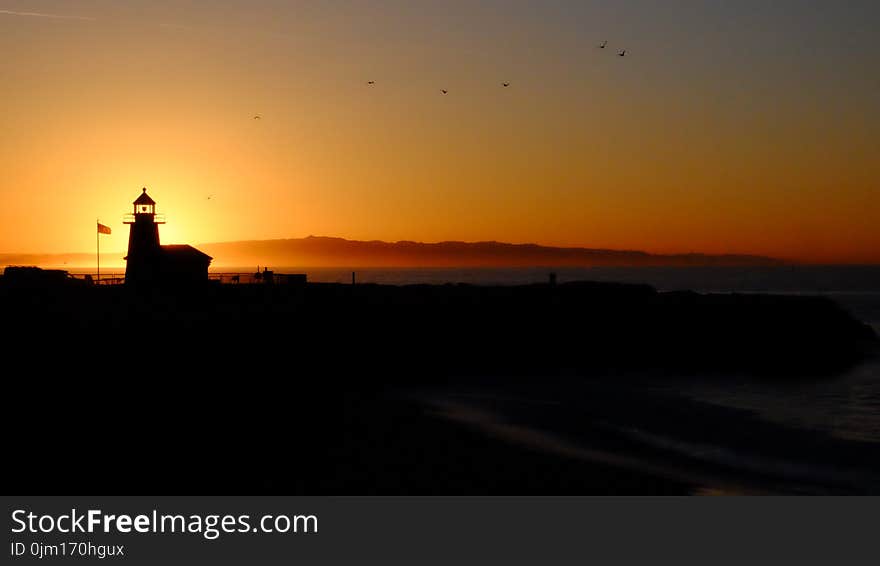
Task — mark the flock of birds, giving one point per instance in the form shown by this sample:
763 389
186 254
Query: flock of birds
442 90
604 44
505 84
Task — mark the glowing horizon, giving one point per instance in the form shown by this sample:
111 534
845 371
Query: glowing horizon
727 129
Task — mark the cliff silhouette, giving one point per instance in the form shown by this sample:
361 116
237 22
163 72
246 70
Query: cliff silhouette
320 251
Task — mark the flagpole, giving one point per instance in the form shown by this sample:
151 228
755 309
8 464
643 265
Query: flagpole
98 253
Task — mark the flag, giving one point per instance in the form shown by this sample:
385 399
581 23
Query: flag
103 229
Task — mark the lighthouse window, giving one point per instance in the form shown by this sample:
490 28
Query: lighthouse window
144 209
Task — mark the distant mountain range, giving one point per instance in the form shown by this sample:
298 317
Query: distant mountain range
338 252
317 251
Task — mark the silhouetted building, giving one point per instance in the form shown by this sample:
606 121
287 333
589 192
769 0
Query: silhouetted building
35 277
149 263
184 264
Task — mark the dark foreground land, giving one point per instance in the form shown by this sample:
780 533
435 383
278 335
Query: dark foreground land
332 389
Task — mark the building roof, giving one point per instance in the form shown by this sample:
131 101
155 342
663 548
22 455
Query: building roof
144 198
184 251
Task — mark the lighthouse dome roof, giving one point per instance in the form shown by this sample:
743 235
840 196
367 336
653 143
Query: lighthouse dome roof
144 198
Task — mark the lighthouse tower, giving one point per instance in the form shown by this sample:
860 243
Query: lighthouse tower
150 264
144 251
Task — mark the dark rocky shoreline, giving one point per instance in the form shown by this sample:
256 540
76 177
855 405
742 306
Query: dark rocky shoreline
442 329
295 388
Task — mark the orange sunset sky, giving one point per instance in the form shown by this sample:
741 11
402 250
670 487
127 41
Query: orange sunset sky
728 127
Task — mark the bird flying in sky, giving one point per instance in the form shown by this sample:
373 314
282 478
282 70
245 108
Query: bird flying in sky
258 117
622 53
603 44
505 84
371 82
443 90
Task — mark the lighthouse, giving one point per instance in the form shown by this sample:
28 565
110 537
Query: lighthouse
144 250
150 264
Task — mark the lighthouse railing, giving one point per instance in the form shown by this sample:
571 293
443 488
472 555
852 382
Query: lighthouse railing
129 218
